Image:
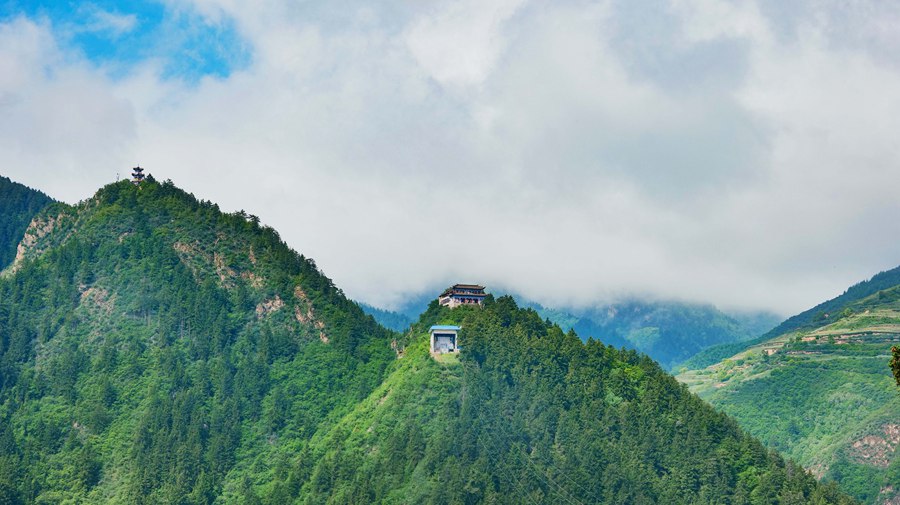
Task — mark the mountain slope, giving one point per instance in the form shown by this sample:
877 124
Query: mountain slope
669 332
156 350
822 394
815 317
829 310
18 205
528 414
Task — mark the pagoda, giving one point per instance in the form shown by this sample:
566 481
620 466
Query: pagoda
137 175
462 294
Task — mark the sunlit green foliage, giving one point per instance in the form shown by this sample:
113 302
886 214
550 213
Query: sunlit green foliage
895 363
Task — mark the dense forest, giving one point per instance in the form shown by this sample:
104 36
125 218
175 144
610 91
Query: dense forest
18 204
530 414
154 349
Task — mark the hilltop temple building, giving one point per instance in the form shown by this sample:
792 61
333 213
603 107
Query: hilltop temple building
462 294
137 175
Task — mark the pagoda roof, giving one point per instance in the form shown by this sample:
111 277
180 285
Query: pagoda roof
452 290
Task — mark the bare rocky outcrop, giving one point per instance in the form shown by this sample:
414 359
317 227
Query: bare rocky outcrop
226 274
267 307
877 449
192 253
255 281
187 252
39 228
303 311
321 327
305 314
889 496
97 298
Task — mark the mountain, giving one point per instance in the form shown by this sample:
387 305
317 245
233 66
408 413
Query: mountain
817 316
530 414
830 310
396 321
156 350
821 391
18 204
669 332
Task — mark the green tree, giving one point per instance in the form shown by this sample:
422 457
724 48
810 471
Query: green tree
895 363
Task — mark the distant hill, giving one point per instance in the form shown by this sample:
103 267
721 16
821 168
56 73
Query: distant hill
154 349
817 316
830 310
669 332
389 319
18 205
822 391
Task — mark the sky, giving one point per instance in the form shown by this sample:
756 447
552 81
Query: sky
743 154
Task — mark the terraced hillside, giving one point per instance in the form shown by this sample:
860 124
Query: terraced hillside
823 395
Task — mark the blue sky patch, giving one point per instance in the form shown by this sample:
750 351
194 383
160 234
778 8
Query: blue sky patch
122 34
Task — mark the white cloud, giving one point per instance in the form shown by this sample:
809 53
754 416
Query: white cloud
60 119
115 24
459 42
707 20
733 156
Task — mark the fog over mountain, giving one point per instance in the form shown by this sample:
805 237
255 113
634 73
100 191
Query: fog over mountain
575 152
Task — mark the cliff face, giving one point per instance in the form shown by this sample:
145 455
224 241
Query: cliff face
18 205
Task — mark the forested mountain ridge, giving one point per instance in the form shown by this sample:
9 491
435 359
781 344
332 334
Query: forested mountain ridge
530 414
153 348
822 393
156 350
18 205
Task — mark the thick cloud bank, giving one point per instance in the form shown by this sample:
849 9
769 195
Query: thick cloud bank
742 153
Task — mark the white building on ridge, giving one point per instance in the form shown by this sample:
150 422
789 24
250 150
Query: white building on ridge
444 338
